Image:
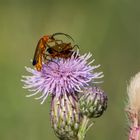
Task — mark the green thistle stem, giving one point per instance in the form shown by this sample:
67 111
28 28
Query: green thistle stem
84 128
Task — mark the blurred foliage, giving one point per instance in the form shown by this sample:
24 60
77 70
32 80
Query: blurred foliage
109 29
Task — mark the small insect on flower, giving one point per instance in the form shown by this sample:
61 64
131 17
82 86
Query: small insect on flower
39 52
58 50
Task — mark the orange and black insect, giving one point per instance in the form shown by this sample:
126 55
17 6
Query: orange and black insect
40 52
58 50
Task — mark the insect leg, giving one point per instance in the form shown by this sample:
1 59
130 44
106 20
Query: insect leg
76 46
49 60
45 56
56 41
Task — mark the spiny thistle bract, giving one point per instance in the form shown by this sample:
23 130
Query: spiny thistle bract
65 116
93 102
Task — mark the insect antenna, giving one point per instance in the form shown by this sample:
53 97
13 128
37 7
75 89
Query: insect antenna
68 36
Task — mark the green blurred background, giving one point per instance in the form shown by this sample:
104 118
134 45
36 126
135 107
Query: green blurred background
110 29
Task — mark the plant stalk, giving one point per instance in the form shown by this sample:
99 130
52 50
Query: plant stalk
84 128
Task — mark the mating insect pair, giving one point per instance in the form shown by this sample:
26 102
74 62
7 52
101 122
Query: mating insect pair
45 50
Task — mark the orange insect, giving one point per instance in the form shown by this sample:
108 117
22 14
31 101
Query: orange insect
40 52
58 50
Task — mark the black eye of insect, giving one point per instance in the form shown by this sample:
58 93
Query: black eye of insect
50 50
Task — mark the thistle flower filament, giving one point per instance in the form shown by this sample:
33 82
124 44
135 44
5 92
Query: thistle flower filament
67 76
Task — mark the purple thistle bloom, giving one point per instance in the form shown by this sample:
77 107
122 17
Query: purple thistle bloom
60 77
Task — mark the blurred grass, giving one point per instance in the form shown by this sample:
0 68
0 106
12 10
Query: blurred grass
108 29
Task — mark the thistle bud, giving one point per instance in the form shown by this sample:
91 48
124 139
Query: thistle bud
93 102
65 118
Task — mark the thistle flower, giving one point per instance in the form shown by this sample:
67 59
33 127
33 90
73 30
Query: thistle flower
62 76
133 107
93 102
65 116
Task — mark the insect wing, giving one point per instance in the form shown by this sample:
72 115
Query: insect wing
36 54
